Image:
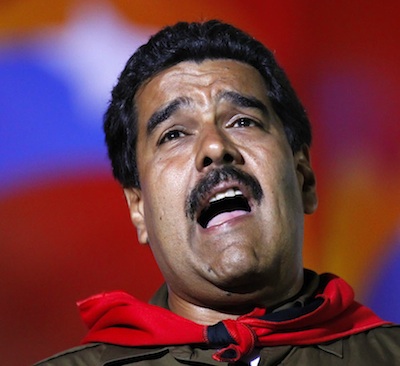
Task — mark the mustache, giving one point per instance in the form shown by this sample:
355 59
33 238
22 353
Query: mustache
215 177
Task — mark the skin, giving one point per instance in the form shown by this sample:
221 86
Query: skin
251 260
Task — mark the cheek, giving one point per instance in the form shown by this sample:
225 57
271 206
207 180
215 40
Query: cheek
274 167
269 163
164 200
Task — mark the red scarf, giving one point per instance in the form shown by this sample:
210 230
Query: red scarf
121 319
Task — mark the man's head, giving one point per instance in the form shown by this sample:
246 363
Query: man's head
224 179
194 42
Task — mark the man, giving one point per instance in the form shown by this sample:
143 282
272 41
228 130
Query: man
211 146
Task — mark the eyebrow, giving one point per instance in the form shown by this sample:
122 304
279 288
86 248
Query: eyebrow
165 112
162 114
244 101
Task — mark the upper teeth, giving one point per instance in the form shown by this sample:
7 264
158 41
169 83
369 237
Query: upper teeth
228 193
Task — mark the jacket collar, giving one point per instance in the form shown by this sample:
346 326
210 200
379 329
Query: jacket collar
124 355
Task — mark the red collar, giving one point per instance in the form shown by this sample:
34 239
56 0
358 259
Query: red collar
119 318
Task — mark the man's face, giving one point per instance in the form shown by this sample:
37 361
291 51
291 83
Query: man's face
222 195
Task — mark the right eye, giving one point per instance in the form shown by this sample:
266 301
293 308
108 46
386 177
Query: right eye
171 135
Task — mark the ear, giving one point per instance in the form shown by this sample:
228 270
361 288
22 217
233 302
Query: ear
306 179
135 203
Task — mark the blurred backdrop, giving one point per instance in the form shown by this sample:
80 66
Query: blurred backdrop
65 231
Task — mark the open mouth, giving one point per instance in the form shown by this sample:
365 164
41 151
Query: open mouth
224 206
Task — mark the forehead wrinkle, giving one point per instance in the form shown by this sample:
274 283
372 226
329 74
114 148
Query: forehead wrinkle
204 89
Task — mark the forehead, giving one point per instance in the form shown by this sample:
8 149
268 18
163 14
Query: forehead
201 82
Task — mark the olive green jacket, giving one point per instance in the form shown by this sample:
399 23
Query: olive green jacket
379 346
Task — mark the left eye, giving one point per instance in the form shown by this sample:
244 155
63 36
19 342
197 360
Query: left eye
171 135
244 122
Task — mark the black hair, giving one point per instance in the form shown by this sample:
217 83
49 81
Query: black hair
197 41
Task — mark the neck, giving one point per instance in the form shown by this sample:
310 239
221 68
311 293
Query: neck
198 314
209 315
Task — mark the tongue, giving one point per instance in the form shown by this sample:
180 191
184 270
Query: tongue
225 216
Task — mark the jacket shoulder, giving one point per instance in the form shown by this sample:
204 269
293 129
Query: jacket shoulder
374 347
88 354
388 332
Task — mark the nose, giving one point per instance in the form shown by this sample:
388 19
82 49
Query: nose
215 148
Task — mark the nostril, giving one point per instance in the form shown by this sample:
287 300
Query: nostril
228 158
207 161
